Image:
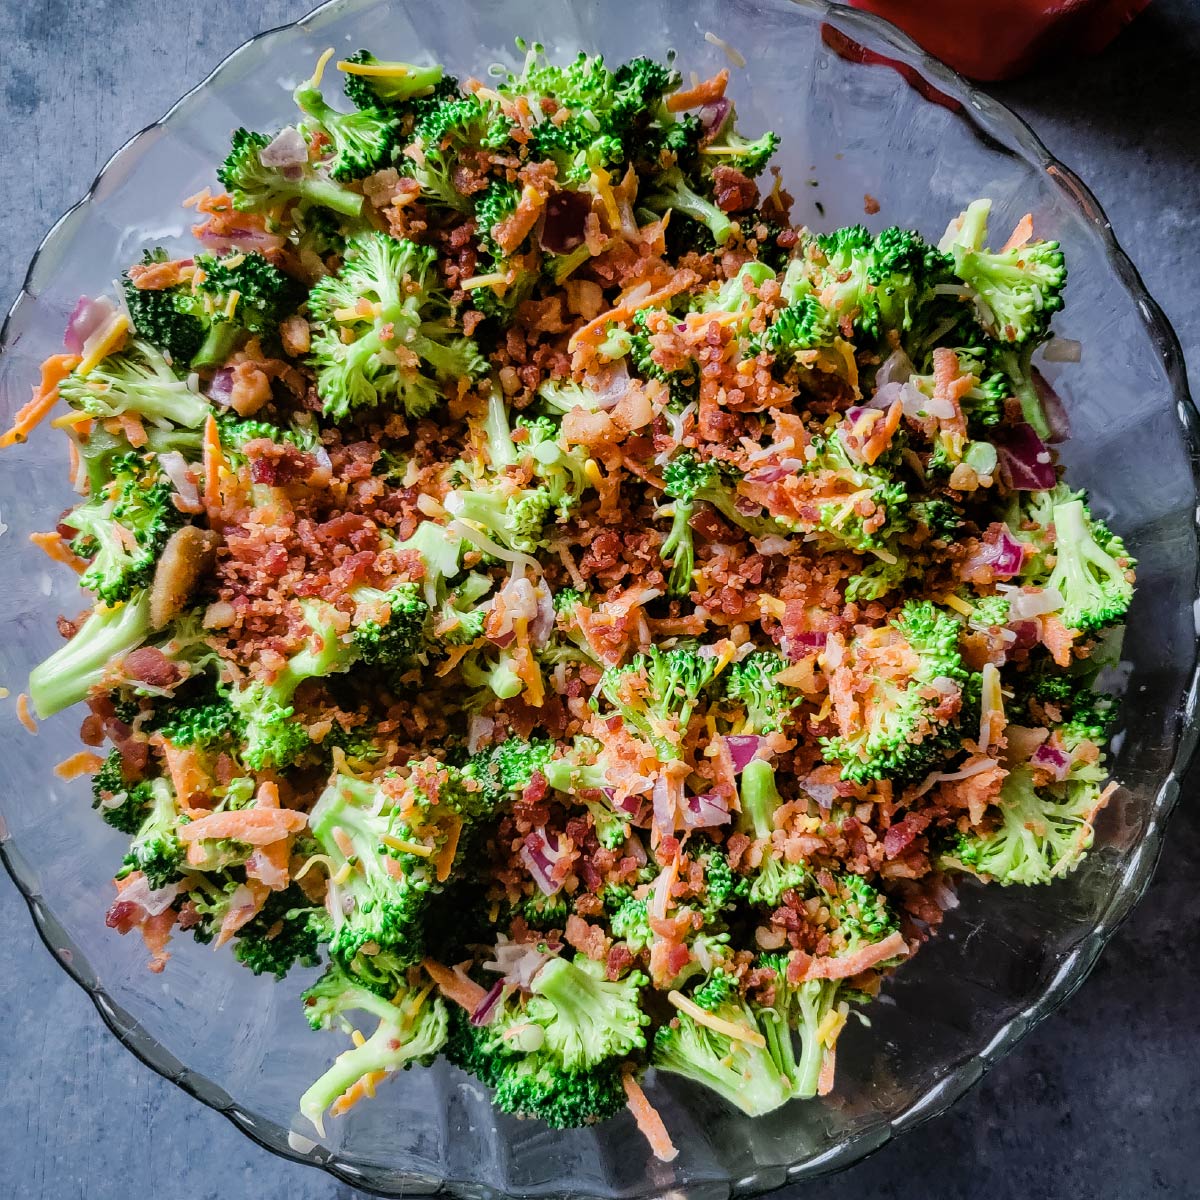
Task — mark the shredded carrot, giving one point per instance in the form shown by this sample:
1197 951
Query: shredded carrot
703 93
828 1067
594 330
56 547
213 462
254 826
24 715
83 763
268 794
647 1118
269 864
45 396
240 914
156 933
445 858
133 429
883 432
363 1089
844 966
1021 233
186 771
454 985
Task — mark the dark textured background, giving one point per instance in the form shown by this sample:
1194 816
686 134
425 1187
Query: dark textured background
1100 1101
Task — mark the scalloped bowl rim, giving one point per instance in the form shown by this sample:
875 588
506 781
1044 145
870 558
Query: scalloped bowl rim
1008 128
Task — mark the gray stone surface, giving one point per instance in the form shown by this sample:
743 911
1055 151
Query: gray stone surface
1100 1101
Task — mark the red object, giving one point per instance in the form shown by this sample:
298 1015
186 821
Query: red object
997 39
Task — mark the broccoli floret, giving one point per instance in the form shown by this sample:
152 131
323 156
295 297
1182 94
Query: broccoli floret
631 923
1016 290
672 193
586 1019
508 767
123 529
444 132
392 632
257 187
137 381
729 148
682 382
212 722
401 344
688 480
804 325
166 317
412 1029
122 804
767 703
362 142
535 1087
546 912
875 580
236 294
156 850
1041 834
895 731
74 670
273 737
720 883
740 1070
657 692
280 935
808 1008
1093 580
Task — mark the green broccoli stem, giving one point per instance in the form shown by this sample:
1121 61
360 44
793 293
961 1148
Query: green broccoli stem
73 670
327 194
218 345
816 1000
679 550
760 798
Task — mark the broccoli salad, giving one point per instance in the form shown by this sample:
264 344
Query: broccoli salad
595 618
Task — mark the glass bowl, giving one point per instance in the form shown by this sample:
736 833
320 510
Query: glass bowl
863 114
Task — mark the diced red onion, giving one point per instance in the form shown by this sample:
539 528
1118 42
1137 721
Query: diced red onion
609 385
286 149
542 625
1061 349
539 854
769 475
705 812
87 317
743 747
1025 460
1025 606
823 793
516 962
489 1005
1000 551
563 224
800 645
176 470
712 117
896 368
856 411
1051 759
772 544
151 902
479 731
1026 633
1053 407
220 390
245 240
664 810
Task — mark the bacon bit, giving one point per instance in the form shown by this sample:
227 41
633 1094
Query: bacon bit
55 545
703 93
445 857
250 389
83 763
649 1123
24 715
512 231
45 396
870 205
214 462
847 965
295 335
188 554
254 826
455 985
1022 232
881 435
587 938
594 331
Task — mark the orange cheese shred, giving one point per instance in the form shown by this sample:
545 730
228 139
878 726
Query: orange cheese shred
648 1120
